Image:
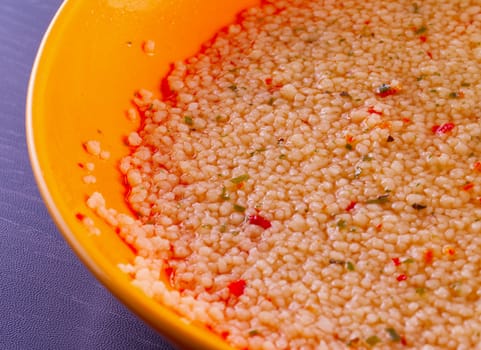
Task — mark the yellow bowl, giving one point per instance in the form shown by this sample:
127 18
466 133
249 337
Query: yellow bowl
89 65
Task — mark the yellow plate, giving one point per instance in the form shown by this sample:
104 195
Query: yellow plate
88 66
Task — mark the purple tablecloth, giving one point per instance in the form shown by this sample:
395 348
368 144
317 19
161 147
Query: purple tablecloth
48 300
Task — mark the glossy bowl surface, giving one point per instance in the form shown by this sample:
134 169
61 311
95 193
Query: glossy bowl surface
90 63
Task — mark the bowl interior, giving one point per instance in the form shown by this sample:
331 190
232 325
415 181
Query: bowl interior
88 67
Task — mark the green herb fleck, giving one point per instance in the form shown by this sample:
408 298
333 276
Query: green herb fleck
393 334
383 88
253 332
454 95
464 84
408 261
421 30
420 291
239 179
259 150
345 94
456 285
418 206
373 340
379 200
367 158
271 101
337 262
415 8
223 228
341 224
282 156
421 77
239 208
224 195
348 146
350 266
220 118
233 88
188 120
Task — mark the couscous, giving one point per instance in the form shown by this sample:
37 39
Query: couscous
311 178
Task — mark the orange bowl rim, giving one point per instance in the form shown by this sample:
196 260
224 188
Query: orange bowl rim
177 330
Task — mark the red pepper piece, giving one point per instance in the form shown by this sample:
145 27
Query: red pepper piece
423 38
169 271
443 129
224 335
259 221
386 90
396 261
450 251
349 138
428 256
351 206
468 186
80 216
237 287
402 277
373 111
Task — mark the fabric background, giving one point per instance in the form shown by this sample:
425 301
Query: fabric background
48 299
